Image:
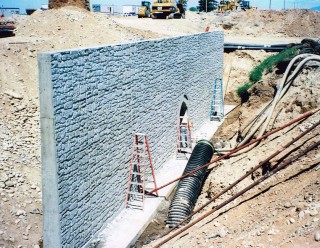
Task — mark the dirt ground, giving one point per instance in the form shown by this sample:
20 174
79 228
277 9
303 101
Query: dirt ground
282 211
59 4
247 223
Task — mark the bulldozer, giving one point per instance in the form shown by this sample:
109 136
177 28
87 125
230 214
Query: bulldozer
167 9
6 27
235 5
228 6
145 9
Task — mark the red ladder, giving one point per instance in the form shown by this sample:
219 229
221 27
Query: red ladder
138 175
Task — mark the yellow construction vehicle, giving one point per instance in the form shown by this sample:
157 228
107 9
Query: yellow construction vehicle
167 9
234 6
87 5
145 9
228 6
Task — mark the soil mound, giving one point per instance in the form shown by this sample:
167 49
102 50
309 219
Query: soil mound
59 3
290 23
71 27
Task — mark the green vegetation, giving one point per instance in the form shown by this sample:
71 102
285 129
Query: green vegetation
267 65
193 9
242 91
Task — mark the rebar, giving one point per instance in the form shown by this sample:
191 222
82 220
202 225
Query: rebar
281 166
246 175
234 151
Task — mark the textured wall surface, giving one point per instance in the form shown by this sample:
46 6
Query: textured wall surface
93 100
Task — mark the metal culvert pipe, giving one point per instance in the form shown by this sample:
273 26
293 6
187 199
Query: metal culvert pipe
189 187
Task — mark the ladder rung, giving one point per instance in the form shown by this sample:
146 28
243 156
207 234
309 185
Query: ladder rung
139 150
149 188
139 146
135 193
135 203
137 173
149 181
135 206
141 155
135 183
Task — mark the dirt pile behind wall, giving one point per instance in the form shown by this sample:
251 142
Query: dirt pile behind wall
290 23
302 96
54 4
71 27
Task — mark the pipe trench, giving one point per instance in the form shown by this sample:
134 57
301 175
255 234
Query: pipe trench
189 187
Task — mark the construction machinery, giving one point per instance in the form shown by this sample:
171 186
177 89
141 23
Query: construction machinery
167 9
145 9
6 27
87 5
235 5
228 6
245 5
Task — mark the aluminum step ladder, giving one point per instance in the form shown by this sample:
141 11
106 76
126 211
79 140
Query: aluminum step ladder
217 104
184 144
141 177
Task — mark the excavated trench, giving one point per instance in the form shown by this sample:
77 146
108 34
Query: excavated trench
157 226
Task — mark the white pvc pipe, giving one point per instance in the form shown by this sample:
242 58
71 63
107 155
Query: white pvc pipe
283 87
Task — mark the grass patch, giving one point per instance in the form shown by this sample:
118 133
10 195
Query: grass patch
242 91
267 65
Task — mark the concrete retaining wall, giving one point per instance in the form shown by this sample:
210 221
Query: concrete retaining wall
92 101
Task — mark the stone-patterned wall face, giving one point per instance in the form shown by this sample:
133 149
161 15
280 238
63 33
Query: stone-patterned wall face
93 100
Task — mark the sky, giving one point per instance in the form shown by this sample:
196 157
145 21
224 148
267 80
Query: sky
261 4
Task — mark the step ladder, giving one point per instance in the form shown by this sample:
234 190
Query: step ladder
141 177
217 105
184 144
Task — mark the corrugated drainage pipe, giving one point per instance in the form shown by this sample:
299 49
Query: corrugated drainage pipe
189 187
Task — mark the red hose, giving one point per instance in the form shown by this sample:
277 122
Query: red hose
234 151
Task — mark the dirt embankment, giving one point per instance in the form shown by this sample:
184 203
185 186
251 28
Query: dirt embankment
290 23
284 210
59 3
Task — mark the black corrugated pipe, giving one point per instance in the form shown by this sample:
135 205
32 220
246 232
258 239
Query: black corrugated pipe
228 47
189 187
258 45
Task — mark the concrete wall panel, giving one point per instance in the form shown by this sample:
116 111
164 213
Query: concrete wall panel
93 100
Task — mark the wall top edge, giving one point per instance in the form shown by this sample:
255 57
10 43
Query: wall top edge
45 54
